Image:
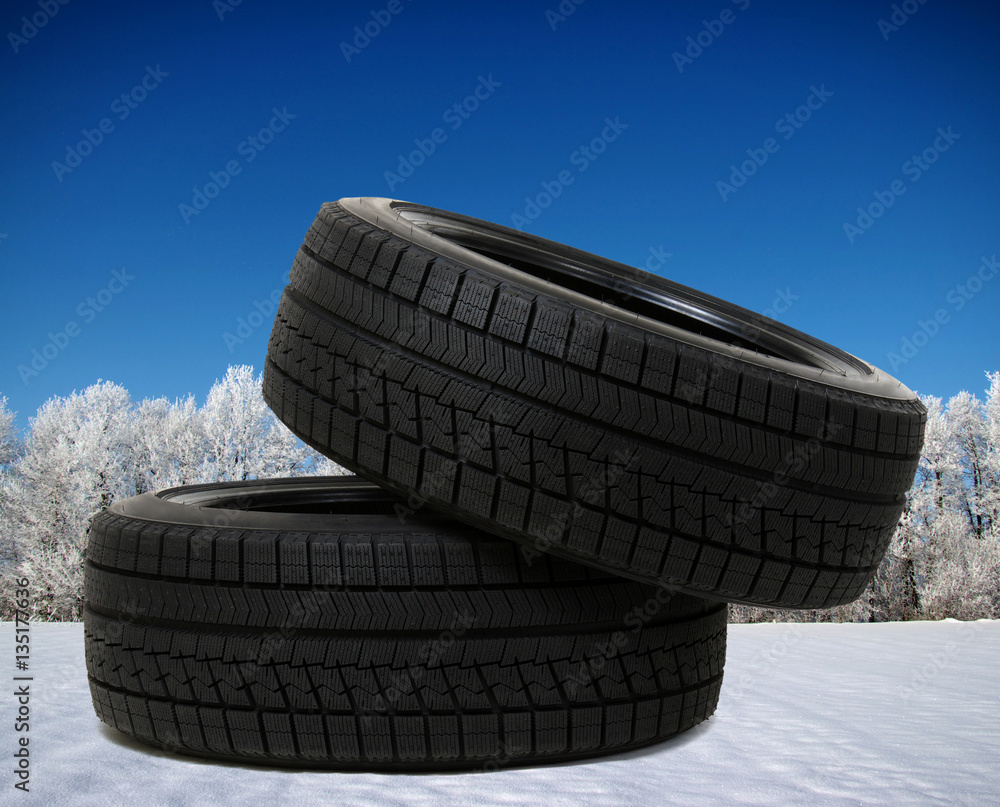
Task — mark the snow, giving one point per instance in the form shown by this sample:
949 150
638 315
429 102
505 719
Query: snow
821 714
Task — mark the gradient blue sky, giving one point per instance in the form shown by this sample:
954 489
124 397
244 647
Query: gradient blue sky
654 187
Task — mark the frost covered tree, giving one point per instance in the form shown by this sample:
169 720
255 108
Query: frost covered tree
957 533
10 449
244 439
10 445
897 589
990 499
965 416
170 446
77 460
324 466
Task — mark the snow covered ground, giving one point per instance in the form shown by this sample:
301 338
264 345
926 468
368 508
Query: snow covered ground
888 714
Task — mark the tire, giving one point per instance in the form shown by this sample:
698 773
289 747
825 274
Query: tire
303 622
588 409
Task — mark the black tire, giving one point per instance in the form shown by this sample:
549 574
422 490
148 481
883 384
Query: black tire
303 622
589 409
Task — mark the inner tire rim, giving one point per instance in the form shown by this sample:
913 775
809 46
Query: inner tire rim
625 293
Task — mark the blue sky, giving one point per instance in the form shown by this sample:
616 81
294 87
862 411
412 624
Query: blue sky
174 94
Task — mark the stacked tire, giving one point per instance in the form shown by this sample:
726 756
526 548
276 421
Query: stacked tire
576 465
